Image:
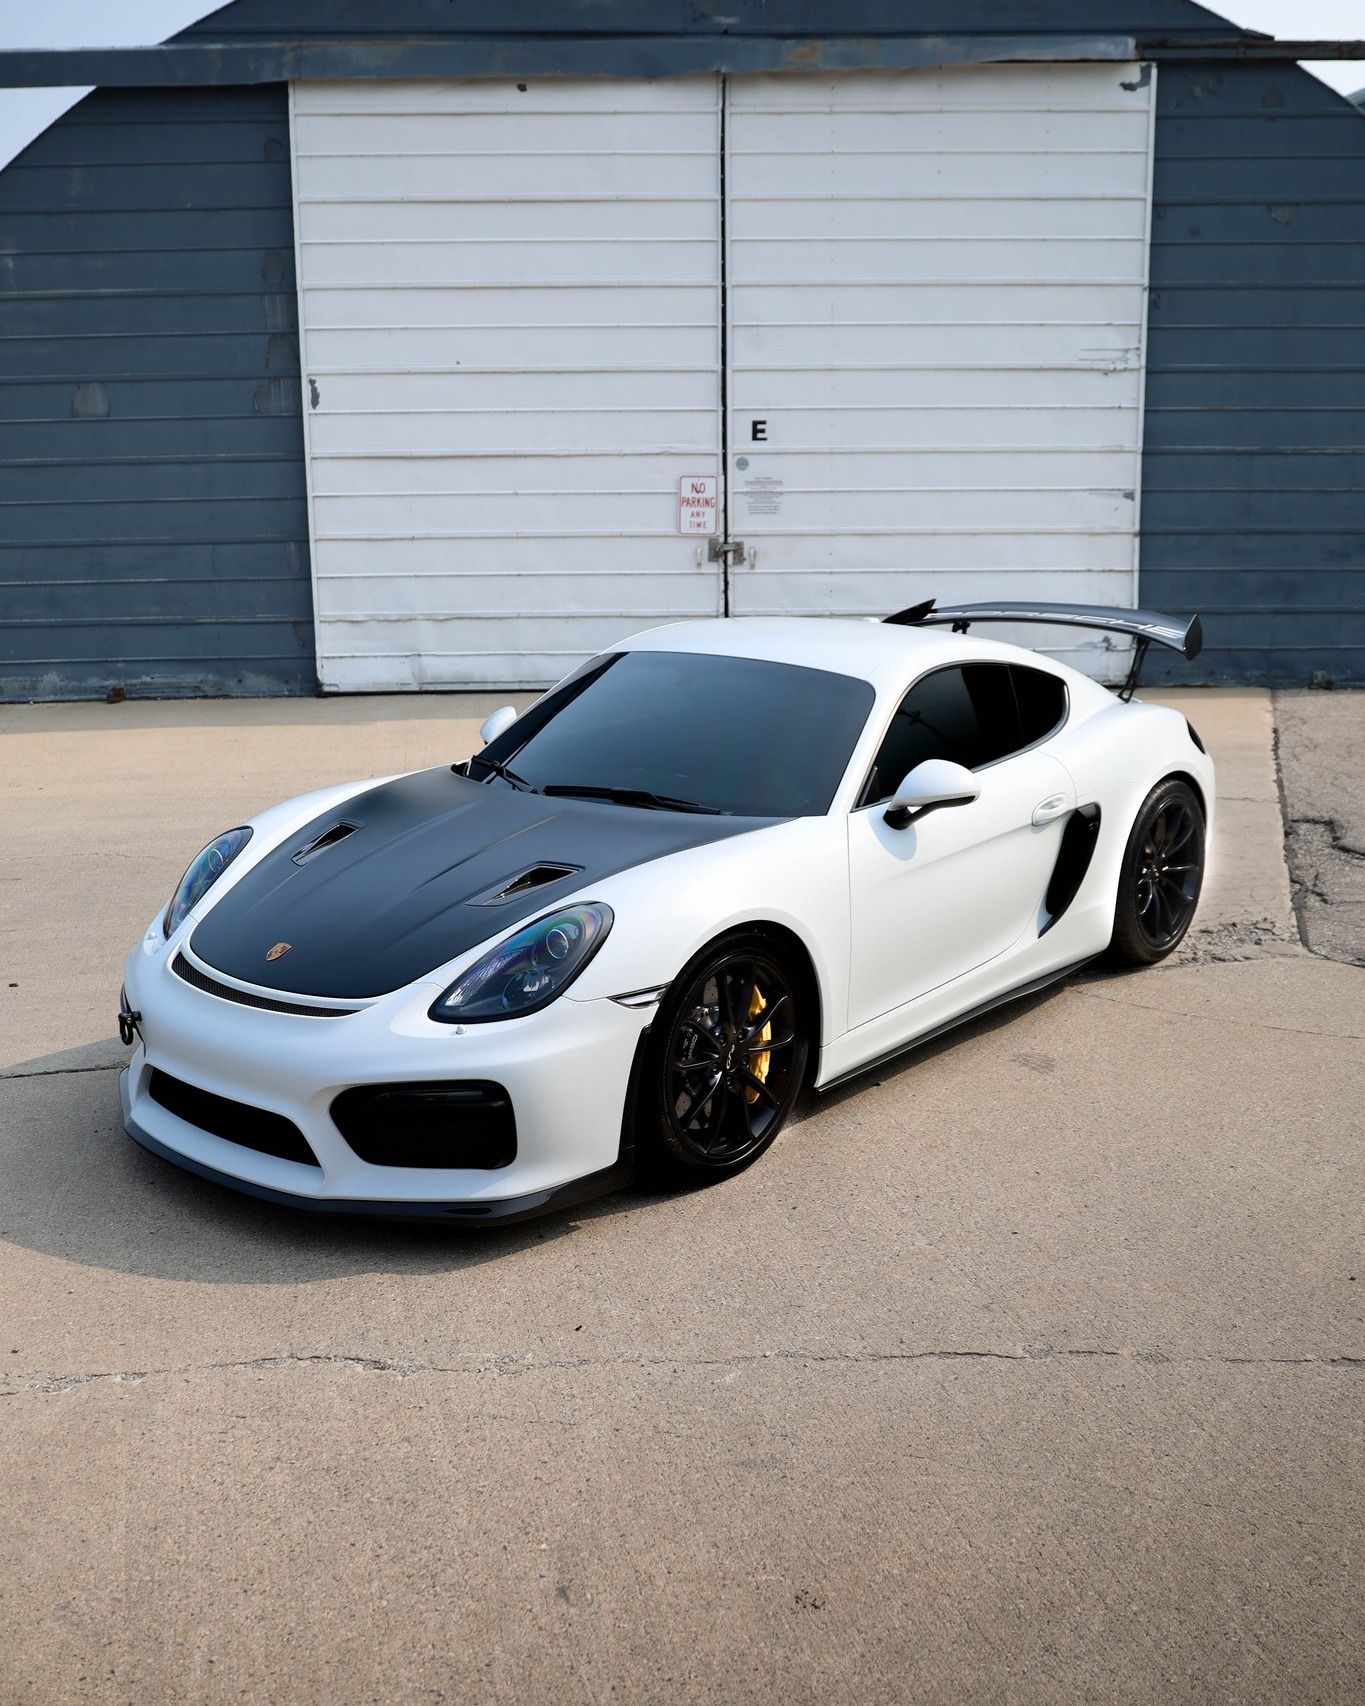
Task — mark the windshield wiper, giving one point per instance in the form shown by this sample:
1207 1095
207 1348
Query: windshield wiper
505 771
629 797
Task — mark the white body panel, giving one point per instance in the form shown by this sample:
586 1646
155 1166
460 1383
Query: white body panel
510 322
511 302
905 931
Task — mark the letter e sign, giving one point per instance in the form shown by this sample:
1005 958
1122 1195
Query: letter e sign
697 507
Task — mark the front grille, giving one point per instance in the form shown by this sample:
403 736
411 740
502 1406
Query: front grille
225 992
253 1128
464 1124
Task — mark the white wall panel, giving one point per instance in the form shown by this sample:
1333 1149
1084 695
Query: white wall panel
936 296
510 312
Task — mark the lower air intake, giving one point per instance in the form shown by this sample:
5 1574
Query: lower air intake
236 1122
466 1124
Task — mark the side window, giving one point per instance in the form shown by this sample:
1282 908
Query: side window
965 714
1042 702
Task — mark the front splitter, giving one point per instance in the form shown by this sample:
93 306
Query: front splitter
496 1211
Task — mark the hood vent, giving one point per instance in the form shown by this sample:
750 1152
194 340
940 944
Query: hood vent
535 877
320 843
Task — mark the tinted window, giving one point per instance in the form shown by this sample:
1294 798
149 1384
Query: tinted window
1042 702
743 735
966 715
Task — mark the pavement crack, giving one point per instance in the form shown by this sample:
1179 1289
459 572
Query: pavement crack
519 1364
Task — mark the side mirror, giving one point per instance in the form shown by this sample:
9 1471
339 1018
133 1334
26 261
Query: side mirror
929 787
497 723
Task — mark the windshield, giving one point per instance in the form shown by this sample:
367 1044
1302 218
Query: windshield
737 735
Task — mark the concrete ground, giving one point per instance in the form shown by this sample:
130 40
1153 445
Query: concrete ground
1321 751
1029 1369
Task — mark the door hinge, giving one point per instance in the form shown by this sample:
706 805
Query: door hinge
727 551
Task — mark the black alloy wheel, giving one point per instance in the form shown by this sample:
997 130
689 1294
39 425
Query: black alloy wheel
1162 874
729 1058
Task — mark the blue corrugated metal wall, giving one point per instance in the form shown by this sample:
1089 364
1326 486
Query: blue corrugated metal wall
153 524
1253 498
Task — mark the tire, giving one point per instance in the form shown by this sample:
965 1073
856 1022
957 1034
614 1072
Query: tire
714 1098
1161 876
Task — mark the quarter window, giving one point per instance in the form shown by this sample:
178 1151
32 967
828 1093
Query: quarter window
1042 702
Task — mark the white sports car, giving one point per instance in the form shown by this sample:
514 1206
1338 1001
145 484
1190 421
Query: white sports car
723 861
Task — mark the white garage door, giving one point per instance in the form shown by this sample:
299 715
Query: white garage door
510 310
936 286
511 301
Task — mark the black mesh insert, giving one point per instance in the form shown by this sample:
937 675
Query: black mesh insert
464 1124
253 1128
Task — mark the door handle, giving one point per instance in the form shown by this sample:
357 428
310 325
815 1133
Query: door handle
1051 808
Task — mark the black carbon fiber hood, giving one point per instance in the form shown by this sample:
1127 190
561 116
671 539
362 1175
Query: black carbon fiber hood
406 891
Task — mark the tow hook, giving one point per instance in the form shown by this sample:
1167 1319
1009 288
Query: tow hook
129 1020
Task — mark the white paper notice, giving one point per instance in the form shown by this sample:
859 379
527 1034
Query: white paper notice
697 505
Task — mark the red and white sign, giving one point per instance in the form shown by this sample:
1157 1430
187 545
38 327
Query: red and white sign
698 507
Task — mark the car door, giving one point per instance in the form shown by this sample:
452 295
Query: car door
960 886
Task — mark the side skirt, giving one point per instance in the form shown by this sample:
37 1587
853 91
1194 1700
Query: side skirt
964 1018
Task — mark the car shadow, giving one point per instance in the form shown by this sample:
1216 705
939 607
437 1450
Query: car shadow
76 1187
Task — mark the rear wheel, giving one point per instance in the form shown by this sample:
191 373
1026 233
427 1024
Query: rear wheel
727 1060
1161 876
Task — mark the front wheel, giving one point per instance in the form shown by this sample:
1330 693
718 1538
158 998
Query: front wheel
727 1059
1161 876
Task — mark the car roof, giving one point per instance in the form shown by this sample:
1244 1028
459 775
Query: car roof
884 654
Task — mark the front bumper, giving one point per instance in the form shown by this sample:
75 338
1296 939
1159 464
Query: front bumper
566 1069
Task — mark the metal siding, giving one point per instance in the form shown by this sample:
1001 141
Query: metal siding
154 531
511 332
1254 469
935 287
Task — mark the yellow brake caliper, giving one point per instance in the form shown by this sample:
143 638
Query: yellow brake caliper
759 1064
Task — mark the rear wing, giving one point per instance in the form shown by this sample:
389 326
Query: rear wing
1145 627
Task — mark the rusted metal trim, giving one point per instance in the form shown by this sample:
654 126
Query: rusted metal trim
187 63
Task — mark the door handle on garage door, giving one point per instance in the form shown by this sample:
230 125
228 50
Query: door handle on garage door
1052 807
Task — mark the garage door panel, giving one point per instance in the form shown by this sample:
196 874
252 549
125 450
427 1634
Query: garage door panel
483 595
510 313
945 430
550 390
775 175
837 305
478 432
512 476
759 389
437 348
491 511
494 177
443 265
550 96
931 218
556 555
893 510
944 130
459 217
385 307
884 347
901 260
467 136
936 295
770 584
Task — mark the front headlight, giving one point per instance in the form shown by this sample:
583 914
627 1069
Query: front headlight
204 871
528 969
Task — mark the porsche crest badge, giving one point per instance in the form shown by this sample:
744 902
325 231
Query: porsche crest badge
280 949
